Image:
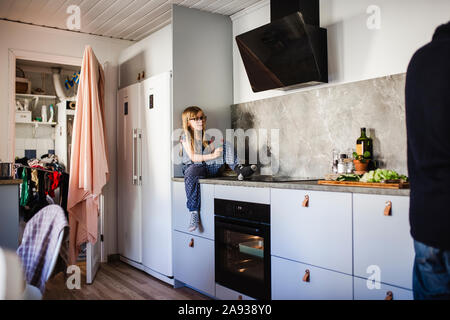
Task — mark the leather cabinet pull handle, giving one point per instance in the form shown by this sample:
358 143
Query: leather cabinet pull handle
191 243
388 208
306 202
306 276
389 296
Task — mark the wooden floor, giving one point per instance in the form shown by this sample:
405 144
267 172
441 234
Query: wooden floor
118 281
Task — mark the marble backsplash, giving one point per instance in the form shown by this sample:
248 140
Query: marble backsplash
312 123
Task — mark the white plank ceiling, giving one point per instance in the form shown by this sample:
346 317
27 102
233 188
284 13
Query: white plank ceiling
122 19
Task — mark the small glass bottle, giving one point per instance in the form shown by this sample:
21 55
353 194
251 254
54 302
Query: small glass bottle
349 166
342 165
349 161
334 167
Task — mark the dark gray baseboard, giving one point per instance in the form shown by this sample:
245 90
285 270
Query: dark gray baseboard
113 257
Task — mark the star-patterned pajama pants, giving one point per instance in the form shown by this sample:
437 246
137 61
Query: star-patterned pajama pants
195 171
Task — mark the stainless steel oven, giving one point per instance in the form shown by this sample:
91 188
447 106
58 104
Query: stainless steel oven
242 247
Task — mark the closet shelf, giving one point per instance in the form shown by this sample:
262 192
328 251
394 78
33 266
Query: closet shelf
38 123
41 96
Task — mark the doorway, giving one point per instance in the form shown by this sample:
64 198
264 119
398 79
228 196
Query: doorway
40 118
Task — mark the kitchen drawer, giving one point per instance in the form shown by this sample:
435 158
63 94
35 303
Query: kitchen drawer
319 234
223 293
181 215
288 284
381 241
245 194
380 292
194 262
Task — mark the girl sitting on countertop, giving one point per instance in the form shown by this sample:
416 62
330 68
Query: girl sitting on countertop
202 160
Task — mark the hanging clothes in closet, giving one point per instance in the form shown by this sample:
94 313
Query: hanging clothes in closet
40 179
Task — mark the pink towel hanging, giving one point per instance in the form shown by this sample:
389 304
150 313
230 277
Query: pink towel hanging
88 162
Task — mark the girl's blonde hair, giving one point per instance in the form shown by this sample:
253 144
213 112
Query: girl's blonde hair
191 112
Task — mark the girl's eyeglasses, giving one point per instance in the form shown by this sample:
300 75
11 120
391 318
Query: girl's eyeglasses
202 118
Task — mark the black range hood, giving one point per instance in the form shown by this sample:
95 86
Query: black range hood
289 52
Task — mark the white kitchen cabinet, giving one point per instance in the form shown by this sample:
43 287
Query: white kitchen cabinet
319 234
244 194
181 215
383 244
366 290
224 293
9 216
194 262
288 282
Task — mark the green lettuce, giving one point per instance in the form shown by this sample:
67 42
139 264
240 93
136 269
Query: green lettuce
382 174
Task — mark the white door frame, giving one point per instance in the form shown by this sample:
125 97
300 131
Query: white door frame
13 55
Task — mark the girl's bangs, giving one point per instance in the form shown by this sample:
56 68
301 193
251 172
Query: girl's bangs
192 112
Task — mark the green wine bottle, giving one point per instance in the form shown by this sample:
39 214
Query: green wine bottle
364 145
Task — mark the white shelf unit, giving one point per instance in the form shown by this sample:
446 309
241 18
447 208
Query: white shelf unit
40 96
38 123
42 136
35 104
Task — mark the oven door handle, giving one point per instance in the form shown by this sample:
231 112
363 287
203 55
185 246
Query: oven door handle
235 227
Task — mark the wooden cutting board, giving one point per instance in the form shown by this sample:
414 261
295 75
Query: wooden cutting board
400 185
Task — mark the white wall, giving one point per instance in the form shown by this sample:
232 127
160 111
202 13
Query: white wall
152 55
42 140
354 52
202 66
63 43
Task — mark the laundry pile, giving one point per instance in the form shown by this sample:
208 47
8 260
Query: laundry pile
40 179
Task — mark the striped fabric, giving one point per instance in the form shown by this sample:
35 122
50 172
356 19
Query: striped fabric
39 243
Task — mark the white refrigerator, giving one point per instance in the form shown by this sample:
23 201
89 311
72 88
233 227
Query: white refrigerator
144 175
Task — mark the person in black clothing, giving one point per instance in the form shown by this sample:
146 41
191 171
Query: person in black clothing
427 97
